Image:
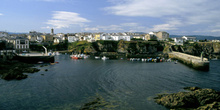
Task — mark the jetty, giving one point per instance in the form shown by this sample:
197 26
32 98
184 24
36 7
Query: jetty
195 62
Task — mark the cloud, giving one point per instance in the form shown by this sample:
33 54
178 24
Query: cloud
171 24
185 13
1 14
123 27
64 19
91 29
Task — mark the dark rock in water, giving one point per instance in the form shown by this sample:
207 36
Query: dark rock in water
191 88
10 70
196 99
14 74
31 70
46 69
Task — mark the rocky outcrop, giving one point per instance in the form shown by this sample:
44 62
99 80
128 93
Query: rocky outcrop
125 47
195 99
210 49
10 70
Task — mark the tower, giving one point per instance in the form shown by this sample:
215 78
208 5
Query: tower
52 31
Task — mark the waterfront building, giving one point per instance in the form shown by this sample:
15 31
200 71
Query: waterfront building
20 44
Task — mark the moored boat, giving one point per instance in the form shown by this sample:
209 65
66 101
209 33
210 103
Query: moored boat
105 58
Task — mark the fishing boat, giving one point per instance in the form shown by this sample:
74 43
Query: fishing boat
105 58
97 57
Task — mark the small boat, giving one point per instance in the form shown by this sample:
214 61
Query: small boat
105 58
76 57
176 62
97 57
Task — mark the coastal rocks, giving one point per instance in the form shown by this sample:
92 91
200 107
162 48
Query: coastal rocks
10 70
14 74
195 99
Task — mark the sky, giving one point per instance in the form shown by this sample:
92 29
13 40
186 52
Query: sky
177 17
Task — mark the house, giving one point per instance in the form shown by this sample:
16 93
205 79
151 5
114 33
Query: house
47 38
72 39
20 44
181 40
97 36
161 35
185 38
3 34
150 36
57 40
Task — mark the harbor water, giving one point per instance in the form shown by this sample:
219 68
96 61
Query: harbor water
120 84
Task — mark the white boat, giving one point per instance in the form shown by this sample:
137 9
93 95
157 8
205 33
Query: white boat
105 58
176 61
97 57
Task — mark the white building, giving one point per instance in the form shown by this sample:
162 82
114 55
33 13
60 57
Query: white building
181 40
3 34
20 44
72 39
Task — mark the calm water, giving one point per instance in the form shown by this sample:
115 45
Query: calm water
121 84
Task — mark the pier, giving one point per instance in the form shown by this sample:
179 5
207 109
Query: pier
195 62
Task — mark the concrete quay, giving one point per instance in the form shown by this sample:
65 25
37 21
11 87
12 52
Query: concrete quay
195 62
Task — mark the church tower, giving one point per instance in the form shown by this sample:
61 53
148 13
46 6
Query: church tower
52 31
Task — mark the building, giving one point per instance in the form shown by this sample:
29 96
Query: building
97 36
161 35
52 31
181 40
34 36
150 36
185 38
3 34
47 38
72 39
20 44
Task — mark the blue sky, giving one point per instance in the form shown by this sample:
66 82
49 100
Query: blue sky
188 17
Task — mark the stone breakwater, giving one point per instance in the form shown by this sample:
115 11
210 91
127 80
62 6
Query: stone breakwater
190 60
197 98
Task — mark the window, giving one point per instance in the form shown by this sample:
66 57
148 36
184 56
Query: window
22 41
17 42
17 46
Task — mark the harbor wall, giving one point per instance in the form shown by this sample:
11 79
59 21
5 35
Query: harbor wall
190 60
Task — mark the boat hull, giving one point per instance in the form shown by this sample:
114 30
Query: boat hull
35 59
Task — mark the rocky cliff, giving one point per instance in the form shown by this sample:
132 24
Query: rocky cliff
209 49
124 47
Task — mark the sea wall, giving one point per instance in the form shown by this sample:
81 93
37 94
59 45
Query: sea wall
190 60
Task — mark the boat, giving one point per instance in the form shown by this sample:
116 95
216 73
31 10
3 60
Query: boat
34 58
76 56
176 62
105 58
97 57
